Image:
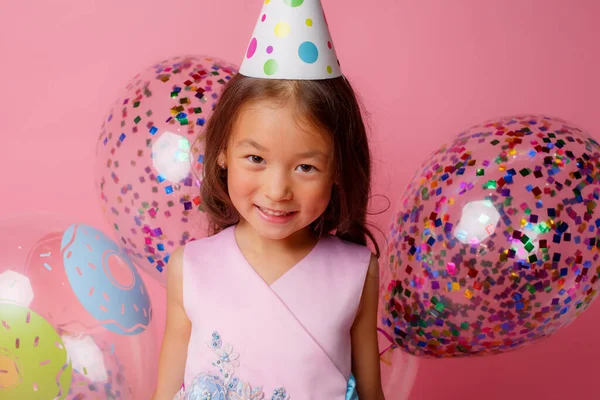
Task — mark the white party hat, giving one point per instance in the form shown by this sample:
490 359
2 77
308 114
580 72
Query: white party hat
291 40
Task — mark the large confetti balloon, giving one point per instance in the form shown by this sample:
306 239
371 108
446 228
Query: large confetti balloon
71 295
149 158
495 244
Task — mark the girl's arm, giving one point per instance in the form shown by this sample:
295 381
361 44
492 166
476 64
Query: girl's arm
365 349
173 354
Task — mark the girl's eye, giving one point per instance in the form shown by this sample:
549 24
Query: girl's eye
255 159
306 167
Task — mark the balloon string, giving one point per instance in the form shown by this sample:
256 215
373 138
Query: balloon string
384 333
386 349
388 337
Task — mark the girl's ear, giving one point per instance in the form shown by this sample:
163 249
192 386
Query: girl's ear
221 160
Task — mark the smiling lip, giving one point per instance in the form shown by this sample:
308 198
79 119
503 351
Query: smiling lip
275 216
275 212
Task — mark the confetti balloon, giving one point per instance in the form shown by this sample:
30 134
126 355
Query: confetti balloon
149 157
70 295
495 244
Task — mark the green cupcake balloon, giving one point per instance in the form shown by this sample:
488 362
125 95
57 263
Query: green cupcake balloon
33 359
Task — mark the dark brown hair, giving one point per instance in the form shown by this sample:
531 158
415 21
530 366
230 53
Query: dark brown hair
330 104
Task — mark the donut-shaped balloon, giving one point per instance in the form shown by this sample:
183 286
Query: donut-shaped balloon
105 280
33 359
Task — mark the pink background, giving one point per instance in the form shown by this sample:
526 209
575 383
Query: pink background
426 69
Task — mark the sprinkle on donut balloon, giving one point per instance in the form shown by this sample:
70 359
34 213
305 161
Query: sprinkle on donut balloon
149 161
495 244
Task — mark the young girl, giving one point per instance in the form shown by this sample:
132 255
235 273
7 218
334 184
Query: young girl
280 302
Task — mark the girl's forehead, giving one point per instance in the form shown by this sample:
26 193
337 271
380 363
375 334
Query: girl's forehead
265 124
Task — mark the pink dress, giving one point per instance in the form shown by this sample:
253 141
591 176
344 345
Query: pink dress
289 340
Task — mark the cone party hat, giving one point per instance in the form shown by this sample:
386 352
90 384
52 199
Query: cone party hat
291 40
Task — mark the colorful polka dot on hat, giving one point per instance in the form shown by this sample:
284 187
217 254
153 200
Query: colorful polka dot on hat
291 40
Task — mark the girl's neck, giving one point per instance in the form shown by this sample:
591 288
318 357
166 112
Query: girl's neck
259 244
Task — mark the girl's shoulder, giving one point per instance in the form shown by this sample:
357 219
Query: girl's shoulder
190 251
338 244
354 253
208 241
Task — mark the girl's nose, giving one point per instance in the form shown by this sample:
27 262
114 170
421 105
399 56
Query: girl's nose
277 187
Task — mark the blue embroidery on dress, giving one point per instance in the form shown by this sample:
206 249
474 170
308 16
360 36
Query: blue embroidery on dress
225 386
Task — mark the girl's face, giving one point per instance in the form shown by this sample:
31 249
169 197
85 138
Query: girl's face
279 172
